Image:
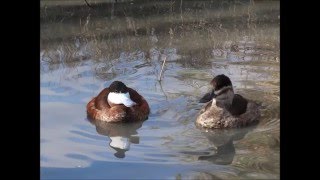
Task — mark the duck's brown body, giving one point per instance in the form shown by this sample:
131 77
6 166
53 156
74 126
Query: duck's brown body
100 109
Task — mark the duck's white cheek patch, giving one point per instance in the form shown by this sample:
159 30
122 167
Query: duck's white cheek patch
121 98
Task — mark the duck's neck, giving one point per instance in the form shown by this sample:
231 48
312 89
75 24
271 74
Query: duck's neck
225 98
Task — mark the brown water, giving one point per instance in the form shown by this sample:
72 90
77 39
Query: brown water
84 49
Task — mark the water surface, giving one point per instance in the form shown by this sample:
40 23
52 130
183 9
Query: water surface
84 49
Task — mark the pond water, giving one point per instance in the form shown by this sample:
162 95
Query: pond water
84 49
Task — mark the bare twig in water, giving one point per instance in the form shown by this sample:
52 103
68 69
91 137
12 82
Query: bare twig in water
88 4
164 61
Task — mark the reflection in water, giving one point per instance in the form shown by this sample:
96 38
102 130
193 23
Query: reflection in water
121 134
223 140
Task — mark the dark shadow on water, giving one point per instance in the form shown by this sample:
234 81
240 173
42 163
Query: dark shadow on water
223 140
121 135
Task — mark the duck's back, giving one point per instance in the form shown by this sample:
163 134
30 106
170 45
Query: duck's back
99 108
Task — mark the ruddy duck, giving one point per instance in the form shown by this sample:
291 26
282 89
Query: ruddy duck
226 109
118 103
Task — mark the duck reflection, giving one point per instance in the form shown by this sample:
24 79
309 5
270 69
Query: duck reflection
121 135
223 141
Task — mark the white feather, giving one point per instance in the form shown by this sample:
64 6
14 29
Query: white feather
121 98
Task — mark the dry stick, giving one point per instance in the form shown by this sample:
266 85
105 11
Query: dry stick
164 61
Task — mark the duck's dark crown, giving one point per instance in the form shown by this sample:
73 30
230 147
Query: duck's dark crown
118 87
220 81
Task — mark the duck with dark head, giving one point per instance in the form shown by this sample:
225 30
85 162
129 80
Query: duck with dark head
118 103
225 109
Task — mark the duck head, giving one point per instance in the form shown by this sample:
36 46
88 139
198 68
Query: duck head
222 90
119 94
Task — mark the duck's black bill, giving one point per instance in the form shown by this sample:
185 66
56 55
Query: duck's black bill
207 97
